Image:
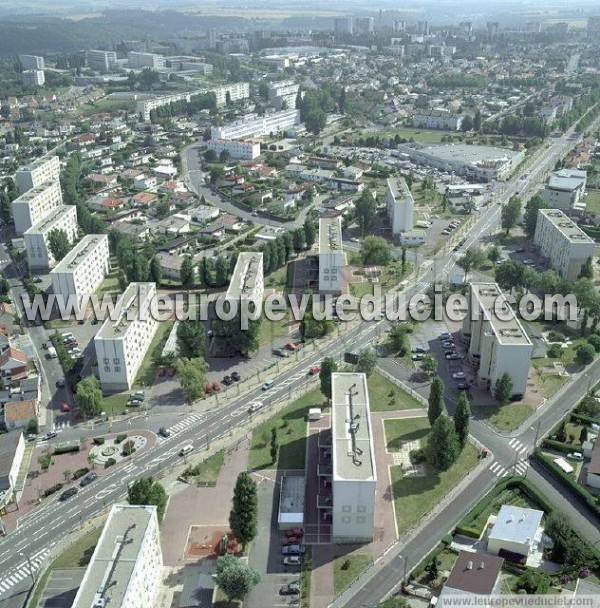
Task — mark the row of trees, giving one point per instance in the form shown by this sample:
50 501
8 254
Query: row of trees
202 101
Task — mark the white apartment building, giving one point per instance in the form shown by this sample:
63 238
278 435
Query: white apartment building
438 119
101 61
32 62
565 189
498 344
126 567
81 271
37 173
62 218
400 205
563 242
145 60
282 94
235 91
248 280
332 259
239 150
33 206
121 344
257 126
354 476
33 78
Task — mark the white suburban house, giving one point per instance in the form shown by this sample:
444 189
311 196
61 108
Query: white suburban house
121 344
332 258
516 532
354 475
35 204
498 344
37 173
563 242
126 567
82 270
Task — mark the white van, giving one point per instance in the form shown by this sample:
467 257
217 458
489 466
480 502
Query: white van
186 449
314 413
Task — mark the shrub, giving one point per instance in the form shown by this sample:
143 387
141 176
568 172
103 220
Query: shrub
52 490
98 440
555 336
80 472
417 456
66 449
346 564
121 438
45 461
128 448
109 463
555 351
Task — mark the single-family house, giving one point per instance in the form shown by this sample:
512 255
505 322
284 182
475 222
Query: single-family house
173 225
170 264
101 181
177 246
214 230
171 187
138 232
17 414
167 172
144 199
516 533
231 223
593 469
13 364
143 182
204 213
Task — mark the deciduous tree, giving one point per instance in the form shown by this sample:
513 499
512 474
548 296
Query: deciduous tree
89 396
328 367
234 577
147 491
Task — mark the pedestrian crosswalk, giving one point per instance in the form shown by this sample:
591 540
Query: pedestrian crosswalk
26 570
520 448
520 468
186 423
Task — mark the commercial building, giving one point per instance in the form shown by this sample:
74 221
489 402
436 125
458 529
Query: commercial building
145 60
282 94
12 450
257 126
233 91
32 62
354 476
33 78
332 259
239 150
101 61
82 270
62 218
400 205
189 63
565 190
126 567
121 344
437 119
35 204
247 282
343 25
563 242
498 344
477 163
516 533
37 173
473 574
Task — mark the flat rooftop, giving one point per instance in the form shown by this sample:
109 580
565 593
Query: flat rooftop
566 226
566 180
48 222
31 194
37 163
80 252
399 188
467 154
516 524
352 439
509 331
128 305
247 268
291 499
114 559
8 446
330 234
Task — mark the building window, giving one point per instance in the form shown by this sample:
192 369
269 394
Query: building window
347 508
117 368
346 519
107 368
361 509
361 519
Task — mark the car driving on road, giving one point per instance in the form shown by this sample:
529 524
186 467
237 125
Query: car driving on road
68 494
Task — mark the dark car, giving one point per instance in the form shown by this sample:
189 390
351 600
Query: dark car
68 494
91 476
235 377
463 386
60 383
418 350
291 589
293 550
227 380
164 432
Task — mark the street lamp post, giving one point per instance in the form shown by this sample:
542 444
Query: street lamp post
404 573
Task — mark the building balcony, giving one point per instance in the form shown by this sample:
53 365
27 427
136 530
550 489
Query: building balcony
324 470
324 502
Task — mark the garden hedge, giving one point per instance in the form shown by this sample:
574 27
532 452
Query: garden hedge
66 449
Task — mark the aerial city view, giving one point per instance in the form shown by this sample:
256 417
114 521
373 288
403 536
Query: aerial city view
299 304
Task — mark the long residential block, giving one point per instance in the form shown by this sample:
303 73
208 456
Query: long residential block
354 477
36 238
400 205
37 173
82 270
498 344
32 62
257 126
332 259
126 567
563 242
247 282
239 150
122 342
36 204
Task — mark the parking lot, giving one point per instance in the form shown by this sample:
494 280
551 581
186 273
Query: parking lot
61 588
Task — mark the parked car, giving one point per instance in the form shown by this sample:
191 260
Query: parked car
417 357
49 435
453 357
31 437
68 494
87 479
227 380
575 456
290 589
235 377
60 383
292 560
445 336
315 369
267 385
186 449
459 375
291 346
291 540
133 403
463 386
281 352
448 344
293 550
418 350
295 532
450 351
164 432
139 395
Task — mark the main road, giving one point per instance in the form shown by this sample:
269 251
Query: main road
40 530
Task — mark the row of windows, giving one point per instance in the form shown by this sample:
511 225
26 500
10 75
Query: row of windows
347 519
359 509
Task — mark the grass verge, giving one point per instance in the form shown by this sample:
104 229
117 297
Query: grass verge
404 429
385 396
505 417
147 373
207 472
347 568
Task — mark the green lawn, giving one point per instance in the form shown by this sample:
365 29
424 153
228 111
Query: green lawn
414 497
116 404
592 202
506 497
347 568
404 429
147 373
221 601
385 396
207 472
272 330
110 285
505 417
291 435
